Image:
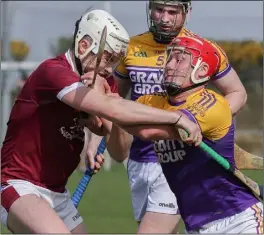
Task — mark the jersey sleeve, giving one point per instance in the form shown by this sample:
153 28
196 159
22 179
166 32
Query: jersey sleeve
225 67
212 113
156 101
121 71
55 81
143 99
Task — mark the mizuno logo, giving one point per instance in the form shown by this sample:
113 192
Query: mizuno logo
140 54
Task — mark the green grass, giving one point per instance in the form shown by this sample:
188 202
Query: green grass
106 205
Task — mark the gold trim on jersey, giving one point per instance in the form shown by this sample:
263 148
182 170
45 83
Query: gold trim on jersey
163 93
200 107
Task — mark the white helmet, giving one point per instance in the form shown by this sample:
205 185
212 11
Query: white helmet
92 24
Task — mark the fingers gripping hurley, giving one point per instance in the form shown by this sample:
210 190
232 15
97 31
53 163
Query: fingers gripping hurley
98 60
79 191
252 185
100 53
78 194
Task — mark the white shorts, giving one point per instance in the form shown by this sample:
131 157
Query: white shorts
60 202
248 221
149 189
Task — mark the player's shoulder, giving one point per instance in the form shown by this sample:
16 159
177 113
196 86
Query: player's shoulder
189 33
156 99
57 69
211 111
58 61
140 38
207 96
143 40
54 67
206 102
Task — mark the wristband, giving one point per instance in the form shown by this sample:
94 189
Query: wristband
178 120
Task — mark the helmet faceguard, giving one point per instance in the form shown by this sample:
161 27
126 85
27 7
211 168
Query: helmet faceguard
201 52
161 36
91 24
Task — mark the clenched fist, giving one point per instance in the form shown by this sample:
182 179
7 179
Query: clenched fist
100 84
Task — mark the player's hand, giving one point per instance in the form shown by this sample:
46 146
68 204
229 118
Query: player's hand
96 125
100 84
195 135
90 121
95 165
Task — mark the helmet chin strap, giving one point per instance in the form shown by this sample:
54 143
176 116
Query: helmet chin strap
76 59
78 65
77 56
196 67
164 37
173 89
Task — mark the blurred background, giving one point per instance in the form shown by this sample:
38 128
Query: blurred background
32 31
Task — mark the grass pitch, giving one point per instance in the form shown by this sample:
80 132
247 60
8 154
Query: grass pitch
106 205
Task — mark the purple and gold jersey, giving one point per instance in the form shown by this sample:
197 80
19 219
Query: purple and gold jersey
205 192
142 65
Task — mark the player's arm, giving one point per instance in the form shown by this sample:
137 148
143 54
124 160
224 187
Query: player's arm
145 132
233 90
120 111
65 85
119 140
97 128
228 83
91 143
122 78
59 83
92 146
119 143
164 131
153 132
121 137
124 87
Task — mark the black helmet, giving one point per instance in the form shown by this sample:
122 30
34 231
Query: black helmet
163 36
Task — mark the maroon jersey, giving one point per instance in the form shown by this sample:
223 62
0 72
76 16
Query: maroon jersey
44 140
113 84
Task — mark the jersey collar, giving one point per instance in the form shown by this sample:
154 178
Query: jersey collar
69 59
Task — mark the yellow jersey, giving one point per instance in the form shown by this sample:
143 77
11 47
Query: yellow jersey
193 176
205 107
143 66
144 62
